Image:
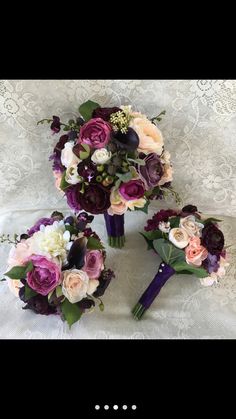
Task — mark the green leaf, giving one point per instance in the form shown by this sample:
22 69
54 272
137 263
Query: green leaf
83 155
71 229
174 222
140 162
168 253
29 293
143 209
71 312
57 214
94 244
64 184
149 242
101 306
210 220
125 177
86 147
19 272
152 235
184 268
59 291
87 108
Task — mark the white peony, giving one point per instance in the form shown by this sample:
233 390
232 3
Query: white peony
68 158
52 240
101 156
72 177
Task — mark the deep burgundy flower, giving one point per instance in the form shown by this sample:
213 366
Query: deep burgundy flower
162 215
86 303
72 196
87 170
189 209
104 281
95 199
40 305
72 135
152 172
60 144
82 220
41 221
56 125
213 239
104 113
57 164
126 141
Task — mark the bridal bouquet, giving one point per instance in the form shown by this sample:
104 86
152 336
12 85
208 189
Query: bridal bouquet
109 161
57 267
188 243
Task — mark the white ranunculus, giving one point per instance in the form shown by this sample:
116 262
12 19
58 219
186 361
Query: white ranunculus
68 158
75 285
179 237
101 156
72 177
190 225
164 227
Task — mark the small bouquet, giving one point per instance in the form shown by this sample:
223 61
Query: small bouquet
188 243
57 267
111 160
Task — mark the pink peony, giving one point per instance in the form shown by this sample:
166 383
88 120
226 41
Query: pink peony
96 133
45 276
93 264
132 190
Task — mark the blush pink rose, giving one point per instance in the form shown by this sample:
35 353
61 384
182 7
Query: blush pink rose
19 253
57 175
96 133
94 264
195 252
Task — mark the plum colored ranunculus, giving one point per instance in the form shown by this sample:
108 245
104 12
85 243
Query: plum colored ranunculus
41 221
212 239
93 264
96 133
72 196
56 125
45 276
104 113
95 199
152 172
132 190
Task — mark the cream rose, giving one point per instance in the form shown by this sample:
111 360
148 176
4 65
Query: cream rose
75 285
68 158
150 137
138 203
179 237
72 177
101 156
191 226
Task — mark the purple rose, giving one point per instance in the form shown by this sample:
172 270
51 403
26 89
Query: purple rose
56 125
105 113
72 196
45 276
152 172
212 239
132 190
95 199
96 133
36 226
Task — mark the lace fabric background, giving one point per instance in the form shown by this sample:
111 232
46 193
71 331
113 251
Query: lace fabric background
199 130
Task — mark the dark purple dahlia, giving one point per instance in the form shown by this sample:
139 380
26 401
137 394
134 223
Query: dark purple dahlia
213 239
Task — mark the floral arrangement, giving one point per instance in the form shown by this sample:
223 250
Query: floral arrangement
57 267
188 243
109 161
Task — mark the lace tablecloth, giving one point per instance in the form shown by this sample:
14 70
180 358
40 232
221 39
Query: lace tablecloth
199 129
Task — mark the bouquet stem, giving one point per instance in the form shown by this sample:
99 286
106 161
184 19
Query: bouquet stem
164 273
115 230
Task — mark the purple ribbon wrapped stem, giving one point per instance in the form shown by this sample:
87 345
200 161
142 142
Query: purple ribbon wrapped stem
115 230
164 273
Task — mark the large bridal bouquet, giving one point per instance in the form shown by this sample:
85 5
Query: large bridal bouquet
109 161
188 243
58 267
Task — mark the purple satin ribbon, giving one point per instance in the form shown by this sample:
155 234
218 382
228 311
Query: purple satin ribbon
164 273
115 225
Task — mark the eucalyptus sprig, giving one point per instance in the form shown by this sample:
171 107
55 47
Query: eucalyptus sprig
158 117
171 191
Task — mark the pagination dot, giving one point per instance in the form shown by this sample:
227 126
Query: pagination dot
97 407
115 407
124 407
134 407
106 407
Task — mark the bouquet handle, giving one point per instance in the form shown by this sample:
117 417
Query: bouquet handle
164 273
115 230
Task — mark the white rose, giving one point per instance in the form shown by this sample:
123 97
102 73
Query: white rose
179 237
191 226
72 177
76 285
101 156
68 158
